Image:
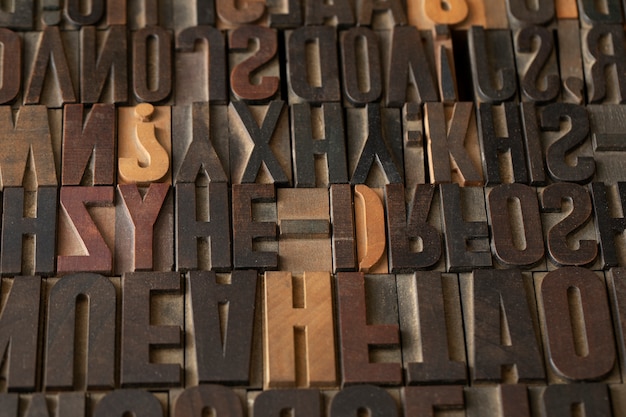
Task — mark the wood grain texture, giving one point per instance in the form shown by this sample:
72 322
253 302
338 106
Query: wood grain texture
371 237
152 64
460 14
343 233
570 60
427 401
233 14
522 14
11 65
376 400
592 13
306 403
299 342
380 14
195 400
339 13
559 399
604 58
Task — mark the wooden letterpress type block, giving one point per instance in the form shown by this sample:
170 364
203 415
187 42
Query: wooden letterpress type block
221 399
511 400
501 328
522 14
88 145
232 14
570 61
253 62
465 227
86 302
569 232
312 65
251 228
144 223
152 81
368 328
46 50
285 14
376 400
414 243
220 317
493 65
453 150
259 139
201 73
144 144
413 147
563 399
566 9
148 13
128 401
459 14
28 230
104 65
594 13
516 233
11 65
318 143
537 68
361 66
305 403
298 339
19 331
152 319
340 13
70 404
19 16
604 57
607 133
76 14
426 401
83 228
343 234
380 14
616 280
116 12
444 64
579 346
369 219
410 72
193 13
431 324
610 226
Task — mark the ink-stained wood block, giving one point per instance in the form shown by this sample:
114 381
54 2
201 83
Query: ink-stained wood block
303 402
340 13
193 13
103 69
570 61
501 327
28 230
380 14
431 324
80 337
144 144
608 204
319 145
200 66
592 13
305 230
221 399
219 327
516 229
260 150
88 145
152 65
413 146
76 14
19 16
285 14
202 226
459 14
312 65
607 132
493 65
86 230
378 401
152 320
128 401
70 404
537 69
232 14
44 51
361 69
298 337
253 63
371 238
465 228
501 400
568 227
367 313
201 148
428 400
343 233
566 9
144 223
616 282
11 65
19 331
414 229
147 13
604 58
522 14
254 227
560 399
452 138
444 64
374 146
579 346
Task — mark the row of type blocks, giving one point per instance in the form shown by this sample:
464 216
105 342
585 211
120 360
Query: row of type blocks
154 330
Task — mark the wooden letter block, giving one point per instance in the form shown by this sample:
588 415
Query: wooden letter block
502 400
11 65
19 331
298 339
368 318
233 13
219 329
413 142
349 401
75 12
453 150
103 63
144 144
81 313
521 13
138 403
254 72
140 243
19 16
605 63
361 67
607 128
300 402
293 16
410 75
380 14
152 65
88 145
369 218
340 13
343 234
247 232
616 280
516 233
408 231
493 65
536 63
431 324
570 61
465 228
502 333
213 397
567 399
426 401
28 231
610 228
201 72
312 68
142 338
317 133
81 244
202 226
580 346
259 138
594 13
